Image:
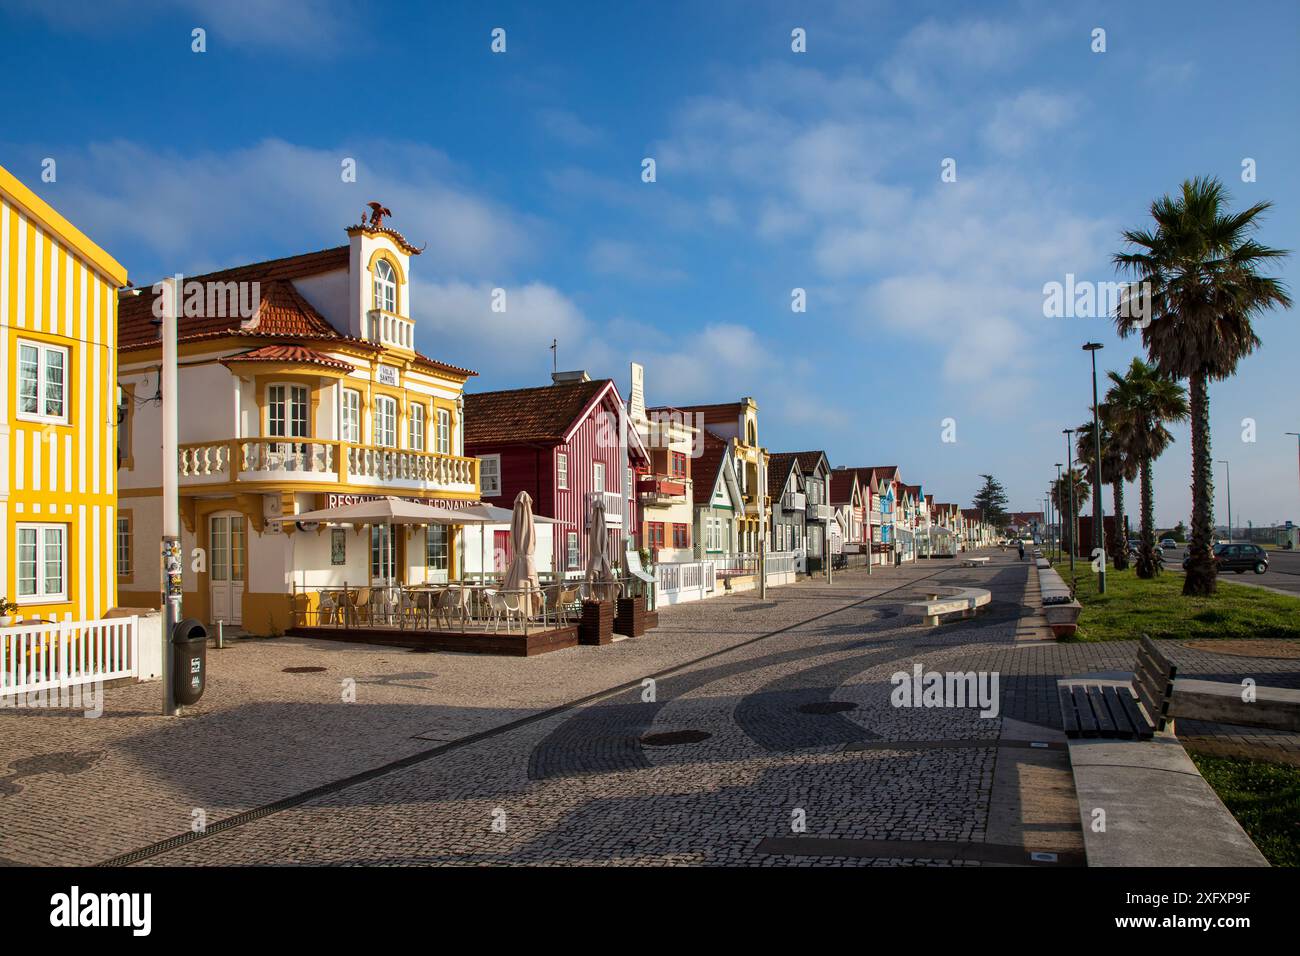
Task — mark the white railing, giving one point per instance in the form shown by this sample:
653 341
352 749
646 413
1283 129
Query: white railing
278 455
818 512
684 581
392 329
794 501
400 464
203 460
44 656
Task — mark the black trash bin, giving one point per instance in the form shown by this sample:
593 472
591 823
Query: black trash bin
190 661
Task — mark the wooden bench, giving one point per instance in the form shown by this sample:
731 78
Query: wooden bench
961 600
974 562
1114 708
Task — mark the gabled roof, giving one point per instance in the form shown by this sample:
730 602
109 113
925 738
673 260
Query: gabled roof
779 467
704 469
294 354
808 460
842 484
281 311
543 414
884 472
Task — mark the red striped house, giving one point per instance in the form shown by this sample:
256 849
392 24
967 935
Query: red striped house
565 444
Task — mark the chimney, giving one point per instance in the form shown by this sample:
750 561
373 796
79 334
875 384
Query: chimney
566 378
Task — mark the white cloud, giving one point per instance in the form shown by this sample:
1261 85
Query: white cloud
630 260
206 210
1025 119
568 128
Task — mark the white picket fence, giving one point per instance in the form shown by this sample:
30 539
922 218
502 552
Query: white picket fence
678 582
44 656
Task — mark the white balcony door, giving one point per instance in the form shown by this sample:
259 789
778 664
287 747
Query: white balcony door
226 570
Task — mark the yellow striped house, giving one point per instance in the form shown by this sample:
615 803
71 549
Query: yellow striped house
58 372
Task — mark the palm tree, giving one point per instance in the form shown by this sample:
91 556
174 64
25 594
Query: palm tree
1061 500
1139 403
1198 271
1117 467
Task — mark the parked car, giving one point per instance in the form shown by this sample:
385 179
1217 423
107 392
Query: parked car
1238 557
1168 544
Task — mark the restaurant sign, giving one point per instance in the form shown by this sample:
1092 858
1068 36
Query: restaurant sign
338 501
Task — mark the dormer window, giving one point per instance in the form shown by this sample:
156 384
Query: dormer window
384 287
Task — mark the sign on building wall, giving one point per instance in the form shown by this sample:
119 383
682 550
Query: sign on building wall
338 546
387 375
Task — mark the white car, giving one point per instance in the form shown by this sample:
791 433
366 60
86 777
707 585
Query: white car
1168 544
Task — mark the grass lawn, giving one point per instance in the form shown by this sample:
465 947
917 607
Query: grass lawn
1265 799
1132 607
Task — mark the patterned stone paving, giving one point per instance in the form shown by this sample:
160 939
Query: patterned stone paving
547 782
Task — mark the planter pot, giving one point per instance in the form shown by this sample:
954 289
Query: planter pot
631 618
6 620
597 624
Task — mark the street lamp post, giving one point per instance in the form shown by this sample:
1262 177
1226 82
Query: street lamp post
1099 536
1228 469
1069 480
1060 520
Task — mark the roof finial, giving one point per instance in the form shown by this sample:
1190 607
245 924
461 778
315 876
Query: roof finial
377 213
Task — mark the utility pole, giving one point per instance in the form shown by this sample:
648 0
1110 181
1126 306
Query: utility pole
1099 535
172 586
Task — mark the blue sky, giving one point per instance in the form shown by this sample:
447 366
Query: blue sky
775 171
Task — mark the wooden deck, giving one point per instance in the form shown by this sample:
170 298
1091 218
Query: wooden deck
538 640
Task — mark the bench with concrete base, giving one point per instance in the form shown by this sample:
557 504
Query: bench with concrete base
974 562
961 600
1119 705
1059 606
1149 790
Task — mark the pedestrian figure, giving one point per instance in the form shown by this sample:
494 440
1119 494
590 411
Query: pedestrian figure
1021 545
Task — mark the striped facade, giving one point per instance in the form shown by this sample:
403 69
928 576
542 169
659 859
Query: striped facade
58 470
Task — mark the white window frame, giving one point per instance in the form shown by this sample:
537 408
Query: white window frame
562 470
598 477
383 289
385 421
485 488
291 422
350 416
43 349
572 557
41 595
415 427
442 439
122 550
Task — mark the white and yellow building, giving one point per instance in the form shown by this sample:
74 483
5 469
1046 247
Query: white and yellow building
300 389
58 365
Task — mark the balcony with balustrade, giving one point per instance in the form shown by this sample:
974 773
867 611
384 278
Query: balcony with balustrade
391 330
794 501
660 488
330 464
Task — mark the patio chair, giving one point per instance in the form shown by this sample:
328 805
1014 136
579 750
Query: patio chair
408 606
361 609
328 608
562 600
500 606
453 601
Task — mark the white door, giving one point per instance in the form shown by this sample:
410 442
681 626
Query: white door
226 568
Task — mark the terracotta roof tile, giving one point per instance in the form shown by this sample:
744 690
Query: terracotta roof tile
542 414
296 354
778 472
704 470
842 485
281 303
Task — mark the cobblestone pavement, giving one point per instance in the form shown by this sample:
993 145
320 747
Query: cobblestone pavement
780 709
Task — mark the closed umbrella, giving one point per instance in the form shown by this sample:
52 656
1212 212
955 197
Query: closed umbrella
600 574
522 573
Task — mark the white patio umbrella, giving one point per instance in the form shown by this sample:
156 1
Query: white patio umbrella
599 570
522 573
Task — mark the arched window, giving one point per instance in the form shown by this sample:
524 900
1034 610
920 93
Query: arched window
751 434
385 287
